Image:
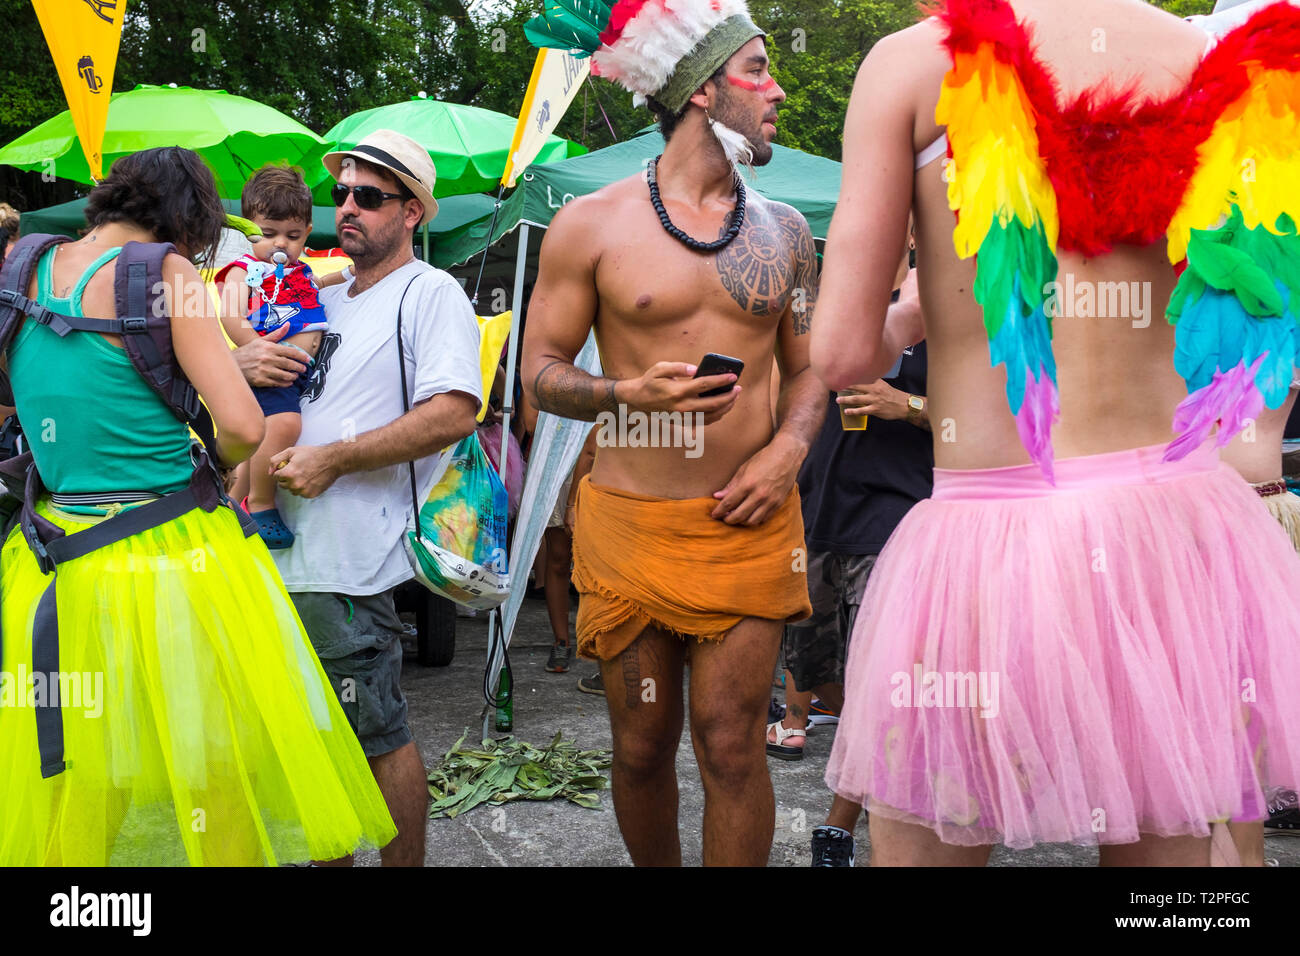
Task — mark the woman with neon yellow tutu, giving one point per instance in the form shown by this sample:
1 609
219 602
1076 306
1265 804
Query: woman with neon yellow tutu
196 723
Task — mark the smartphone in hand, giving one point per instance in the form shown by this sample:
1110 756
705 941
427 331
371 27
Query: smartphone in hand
715 364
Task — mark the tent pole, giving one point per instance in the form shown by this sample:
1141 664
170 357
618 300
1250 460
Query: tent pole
426 242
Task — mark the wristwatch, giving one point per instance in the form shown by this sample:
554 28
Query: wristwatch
915 407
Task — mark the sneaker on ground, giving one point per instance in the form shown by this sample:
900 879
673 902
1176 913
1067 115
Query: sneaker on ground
775 711
558 662
594 684
1283 814
819 713
832 846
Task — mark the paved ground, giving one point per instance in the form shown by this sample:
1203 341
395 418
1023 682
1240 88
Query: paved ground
446 701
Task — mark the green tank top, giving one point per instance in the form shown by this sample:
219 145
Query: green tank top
92 423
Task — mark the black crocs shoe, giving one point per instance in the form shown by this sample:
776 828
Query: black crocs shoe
832 846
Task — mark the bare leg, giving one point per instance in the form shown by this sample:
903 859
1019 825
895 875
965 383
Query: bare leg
796 713
404 783
909 844
239 484
282 432
1249 838
1158 851
843 813
729 696
832 695
559 557
643 688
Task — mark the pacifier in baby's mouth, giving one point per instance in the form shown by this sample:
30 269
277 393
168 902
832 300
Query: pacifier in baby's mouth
280 259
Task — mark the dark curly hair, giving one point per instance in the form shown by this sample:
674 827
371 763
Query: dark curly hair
168 191
277 192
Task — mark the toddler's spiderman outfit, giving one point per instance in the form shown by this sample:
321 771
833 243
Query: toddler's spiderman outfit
272 303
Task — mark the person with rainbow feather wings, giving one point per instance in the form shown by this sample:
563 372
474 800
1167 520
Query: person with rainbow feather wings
1085 551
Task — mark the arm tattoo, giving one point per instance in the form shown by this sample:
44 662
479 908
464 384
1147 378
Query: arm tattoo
566 390
806 281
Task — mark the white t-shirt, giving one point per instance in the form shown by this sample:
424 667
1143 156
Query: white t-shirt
349 539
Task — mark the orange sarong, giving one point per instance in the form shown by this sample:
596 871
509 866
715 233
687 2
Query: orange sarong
641 561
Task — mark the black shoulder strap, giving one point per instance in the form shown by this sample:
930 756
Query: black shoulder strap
16 278
139 289
406 402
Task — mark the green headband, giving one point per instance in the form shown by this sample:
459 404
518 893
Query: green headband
701 63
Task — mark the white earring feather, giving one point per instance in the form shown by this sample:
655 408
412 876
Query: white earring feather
734 146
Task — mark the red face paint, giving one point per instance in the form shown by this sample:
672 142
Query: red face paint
751 86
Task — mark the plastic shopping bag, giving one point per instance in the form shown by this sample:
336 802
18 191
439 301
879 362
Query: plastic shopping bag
458 549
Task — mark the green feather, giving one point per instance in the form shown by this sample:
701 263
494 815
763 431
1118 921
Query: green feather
1215 258
570 25
1009 250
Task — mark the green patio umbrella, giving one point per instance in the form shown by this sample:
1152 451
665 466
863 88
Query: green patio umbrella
468 145
234 135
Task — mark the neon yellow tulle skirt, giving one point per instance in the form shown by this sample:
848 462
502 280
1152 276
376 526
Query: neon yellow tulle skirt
198 724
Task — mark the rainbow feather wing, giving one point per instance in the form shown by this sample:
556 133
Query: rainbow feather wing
1235 309
1006 218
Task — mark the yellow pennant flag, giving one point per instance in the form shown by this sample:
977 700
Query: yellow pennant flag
83 37
557 74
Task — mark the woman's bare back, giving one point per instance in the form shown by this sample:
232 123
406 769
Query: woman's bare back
1112 344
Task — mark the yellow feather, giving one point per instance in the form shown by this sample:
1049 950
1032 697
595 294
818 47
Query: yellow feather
1250 159
997 172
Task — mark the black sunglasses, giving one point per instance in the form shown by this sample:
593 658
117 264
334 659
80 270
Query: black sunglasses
367 197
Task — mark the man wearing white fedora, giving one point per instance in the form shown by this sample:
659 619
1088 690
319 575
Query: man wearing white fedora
345 488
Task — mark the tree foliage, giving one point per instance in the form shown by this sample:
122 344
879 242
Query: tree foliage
320 62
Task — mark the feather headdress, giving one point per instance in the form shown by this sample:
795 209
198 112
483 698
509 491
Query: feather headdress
663 49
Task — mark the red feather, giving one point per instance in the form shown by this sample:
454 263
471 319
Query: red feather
619 17
1120 163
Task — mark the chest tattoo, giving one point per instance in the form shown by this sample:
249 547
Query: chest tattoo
758 267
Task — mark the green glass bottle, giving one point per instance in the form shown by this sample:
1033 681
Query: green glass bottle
505 709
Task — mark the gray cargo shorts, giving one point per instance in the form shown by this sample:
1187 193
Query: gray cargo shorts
816 648
359 643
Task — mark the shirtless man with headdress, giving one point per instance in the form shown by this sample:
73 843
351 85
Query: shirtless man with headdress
688 552
1090 633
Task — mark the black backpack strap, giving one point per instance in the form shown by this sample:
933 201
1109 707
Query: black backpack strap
16 278
63 324
138 289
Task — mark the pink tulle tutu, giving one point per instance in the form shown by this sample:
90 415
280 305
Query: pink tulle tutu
1113 657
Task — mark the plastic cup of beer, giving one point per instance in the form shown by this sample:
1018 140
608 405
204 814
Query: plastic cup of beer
851 423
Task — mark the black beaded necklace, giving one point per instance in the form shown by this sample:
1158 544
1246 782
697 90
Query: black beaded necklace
737 215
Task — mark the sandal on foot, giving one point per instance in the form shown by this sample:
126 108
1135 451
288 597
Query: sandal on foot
778 749
270 527
558 662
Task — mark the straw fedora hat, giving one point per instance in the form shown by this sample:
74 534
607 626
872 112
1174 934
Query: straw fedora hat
402 156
